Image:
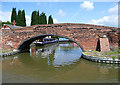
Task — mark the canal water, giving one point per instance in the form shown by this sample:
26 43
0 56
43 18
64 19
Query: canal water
56 63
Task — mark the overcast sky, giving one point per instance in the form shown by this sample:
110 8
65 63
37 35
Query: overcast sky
99 13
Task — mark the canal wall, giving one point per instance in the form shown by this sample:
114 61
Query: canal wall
9 53
101 59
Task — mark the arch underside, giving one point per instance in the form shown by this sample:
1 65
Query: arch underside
24 45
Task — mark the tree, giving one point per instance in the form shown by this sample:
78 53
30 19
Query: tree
6 23
19 20
38 17
50 20
43 19
13 15
34 18
23 18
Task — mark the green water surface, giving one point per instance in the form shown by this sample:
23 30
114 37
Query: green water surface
56 63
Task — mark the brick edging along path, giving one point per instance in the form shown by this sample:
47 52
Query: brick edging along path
101 59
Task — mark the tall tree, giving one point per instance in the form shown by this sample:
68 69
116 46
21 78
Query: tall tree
23 18
43 19
34 18
13 15
50 20
19 20
38 17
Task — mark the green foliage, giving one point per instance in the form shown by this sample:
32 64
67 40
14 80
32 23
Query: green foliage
20 18
34 18
23 18
6 23
13 15
113 57
40 19
21 21
110 53
56 37
84 51
50 20
43 19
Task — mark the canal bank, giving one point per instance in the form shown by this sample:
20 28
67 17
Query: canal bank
111 57
99 58
90 58
9 53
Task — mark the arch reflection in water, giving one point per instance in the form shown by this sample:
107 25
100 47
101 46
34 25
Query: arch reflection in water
56 63
58 54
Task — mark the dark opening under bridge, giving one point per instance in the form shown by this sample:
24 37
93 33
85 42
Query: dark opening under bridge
85 35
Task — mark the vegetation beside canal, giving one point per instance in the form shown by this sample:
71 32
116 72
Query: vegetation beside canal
112 54
5 51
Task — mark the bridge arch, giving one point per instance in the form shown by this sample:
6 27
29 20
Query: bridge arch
24 45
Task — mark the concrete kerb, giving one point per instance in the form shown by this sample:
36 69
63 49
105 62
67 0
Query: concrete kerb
101 60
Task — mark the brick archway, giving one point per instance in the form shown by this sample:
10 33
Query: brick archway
84 35
24 45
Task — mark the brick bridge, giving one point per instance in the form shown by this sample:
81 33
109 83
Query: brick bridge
84 34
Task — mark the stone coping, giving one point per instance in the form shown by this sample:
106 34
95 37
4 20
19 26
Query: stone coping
101 59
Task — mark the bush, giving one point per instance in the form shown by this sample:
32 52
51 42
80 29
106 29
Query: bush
113 57
84 51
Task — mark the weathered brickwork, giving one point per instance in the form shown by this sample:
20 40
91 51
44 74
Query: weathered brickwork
104 44
85 34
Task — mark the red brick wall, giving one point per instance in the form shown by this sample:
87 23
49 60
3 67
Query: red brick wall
86 35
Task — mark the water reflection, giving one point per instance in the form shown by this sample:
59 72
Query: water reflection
56 63
57 54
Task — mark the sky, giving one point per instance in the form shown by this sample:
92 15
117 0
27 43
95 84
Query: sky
87 12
